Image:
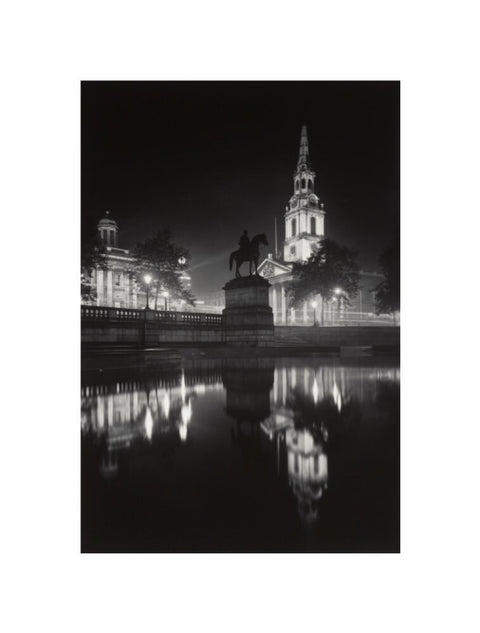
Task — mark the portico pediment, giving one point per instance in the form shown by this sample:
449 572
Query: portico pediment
271 268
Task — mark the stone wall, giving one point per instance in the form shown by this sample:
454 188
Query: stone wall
374 336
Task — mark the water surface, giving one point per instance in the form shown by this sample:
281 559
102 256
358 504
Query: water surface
242 455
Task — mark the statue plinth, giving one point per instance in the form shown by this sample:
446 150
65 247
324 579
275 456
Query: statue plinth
247 317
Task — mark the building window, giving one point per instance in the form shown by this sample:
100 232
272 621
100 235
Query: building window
313 226
293 250
118 278
296 185
303 183
112 238
309 184
294 227
315 464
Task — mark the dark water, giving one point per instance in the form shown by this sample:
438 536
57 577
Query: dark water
243 455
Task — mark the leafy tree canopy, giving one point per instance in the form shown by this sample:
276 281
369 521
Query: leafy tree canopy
164 260
387 293
331 266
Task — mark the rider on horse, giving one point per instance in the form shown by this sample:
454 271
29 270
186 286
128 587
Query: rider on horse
244 243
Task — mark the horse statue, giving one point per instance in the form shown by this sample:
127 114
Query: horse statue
248 255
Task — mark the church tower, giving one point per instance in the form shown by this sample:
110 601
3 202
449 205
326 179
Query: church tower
304 216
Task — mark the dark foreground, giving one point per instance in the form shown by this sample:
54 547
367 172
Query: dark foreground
242 455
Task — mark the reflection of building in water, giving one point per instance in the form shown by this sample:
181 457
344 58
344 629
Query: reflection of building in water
121 412
307 471
307 461
341 382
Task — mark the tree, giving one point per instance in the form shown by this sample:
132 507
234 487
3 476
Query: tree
164 260
92 255
387 293
330 267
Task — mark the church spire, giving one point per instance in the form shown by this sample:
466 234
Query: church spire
303 159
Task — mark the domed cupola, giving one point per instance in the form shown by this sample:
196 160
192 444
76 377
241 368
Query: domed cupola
108 230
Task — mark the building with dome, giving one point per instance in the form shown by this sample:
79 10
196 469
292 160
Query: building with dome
114 285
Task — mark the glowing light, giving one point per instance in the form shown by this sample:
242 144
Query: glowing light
314 304
337 291
315 391
148 423
147 279
182 260
165 293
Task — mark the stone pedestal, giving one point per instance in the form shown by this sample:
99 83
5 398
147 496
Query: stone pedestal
247 317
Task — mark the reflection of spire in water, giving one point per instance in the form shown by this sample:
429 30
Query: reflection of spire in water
148 423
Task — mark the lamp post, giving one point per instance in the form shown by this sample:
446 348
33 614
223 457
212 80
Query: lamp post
147 279
338 292
314 305
165 295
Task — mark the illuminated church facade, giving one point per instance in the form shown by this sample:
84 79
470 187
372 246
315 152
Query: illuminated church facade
304 226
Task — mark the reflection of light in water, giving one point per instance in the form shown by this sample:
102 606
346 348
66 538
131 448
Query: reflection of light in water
186 413
315 391
183 390
337 396
148 423
200 389
166 404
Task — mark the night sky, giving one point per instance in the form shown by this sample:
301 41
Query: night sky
213 158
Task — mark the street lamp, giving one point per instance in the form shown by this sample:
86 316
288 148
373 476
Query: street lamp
339 293
147 279
165 294
314 305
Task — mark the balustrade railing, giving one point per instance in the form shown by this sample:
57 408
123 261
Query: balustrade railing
98 313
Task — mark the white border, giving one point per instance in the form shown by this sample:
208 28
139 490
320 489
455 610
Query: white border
47 49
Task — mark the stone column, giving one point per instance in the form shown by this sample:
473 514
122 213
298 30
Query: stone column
284 309
292 315
274 304
127 291
110 288
99 287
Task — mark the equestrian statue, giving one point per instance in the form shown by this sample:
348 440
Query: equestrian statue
248 252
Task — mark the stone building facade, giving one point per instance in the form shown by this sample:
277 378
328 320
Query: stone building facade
115 285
